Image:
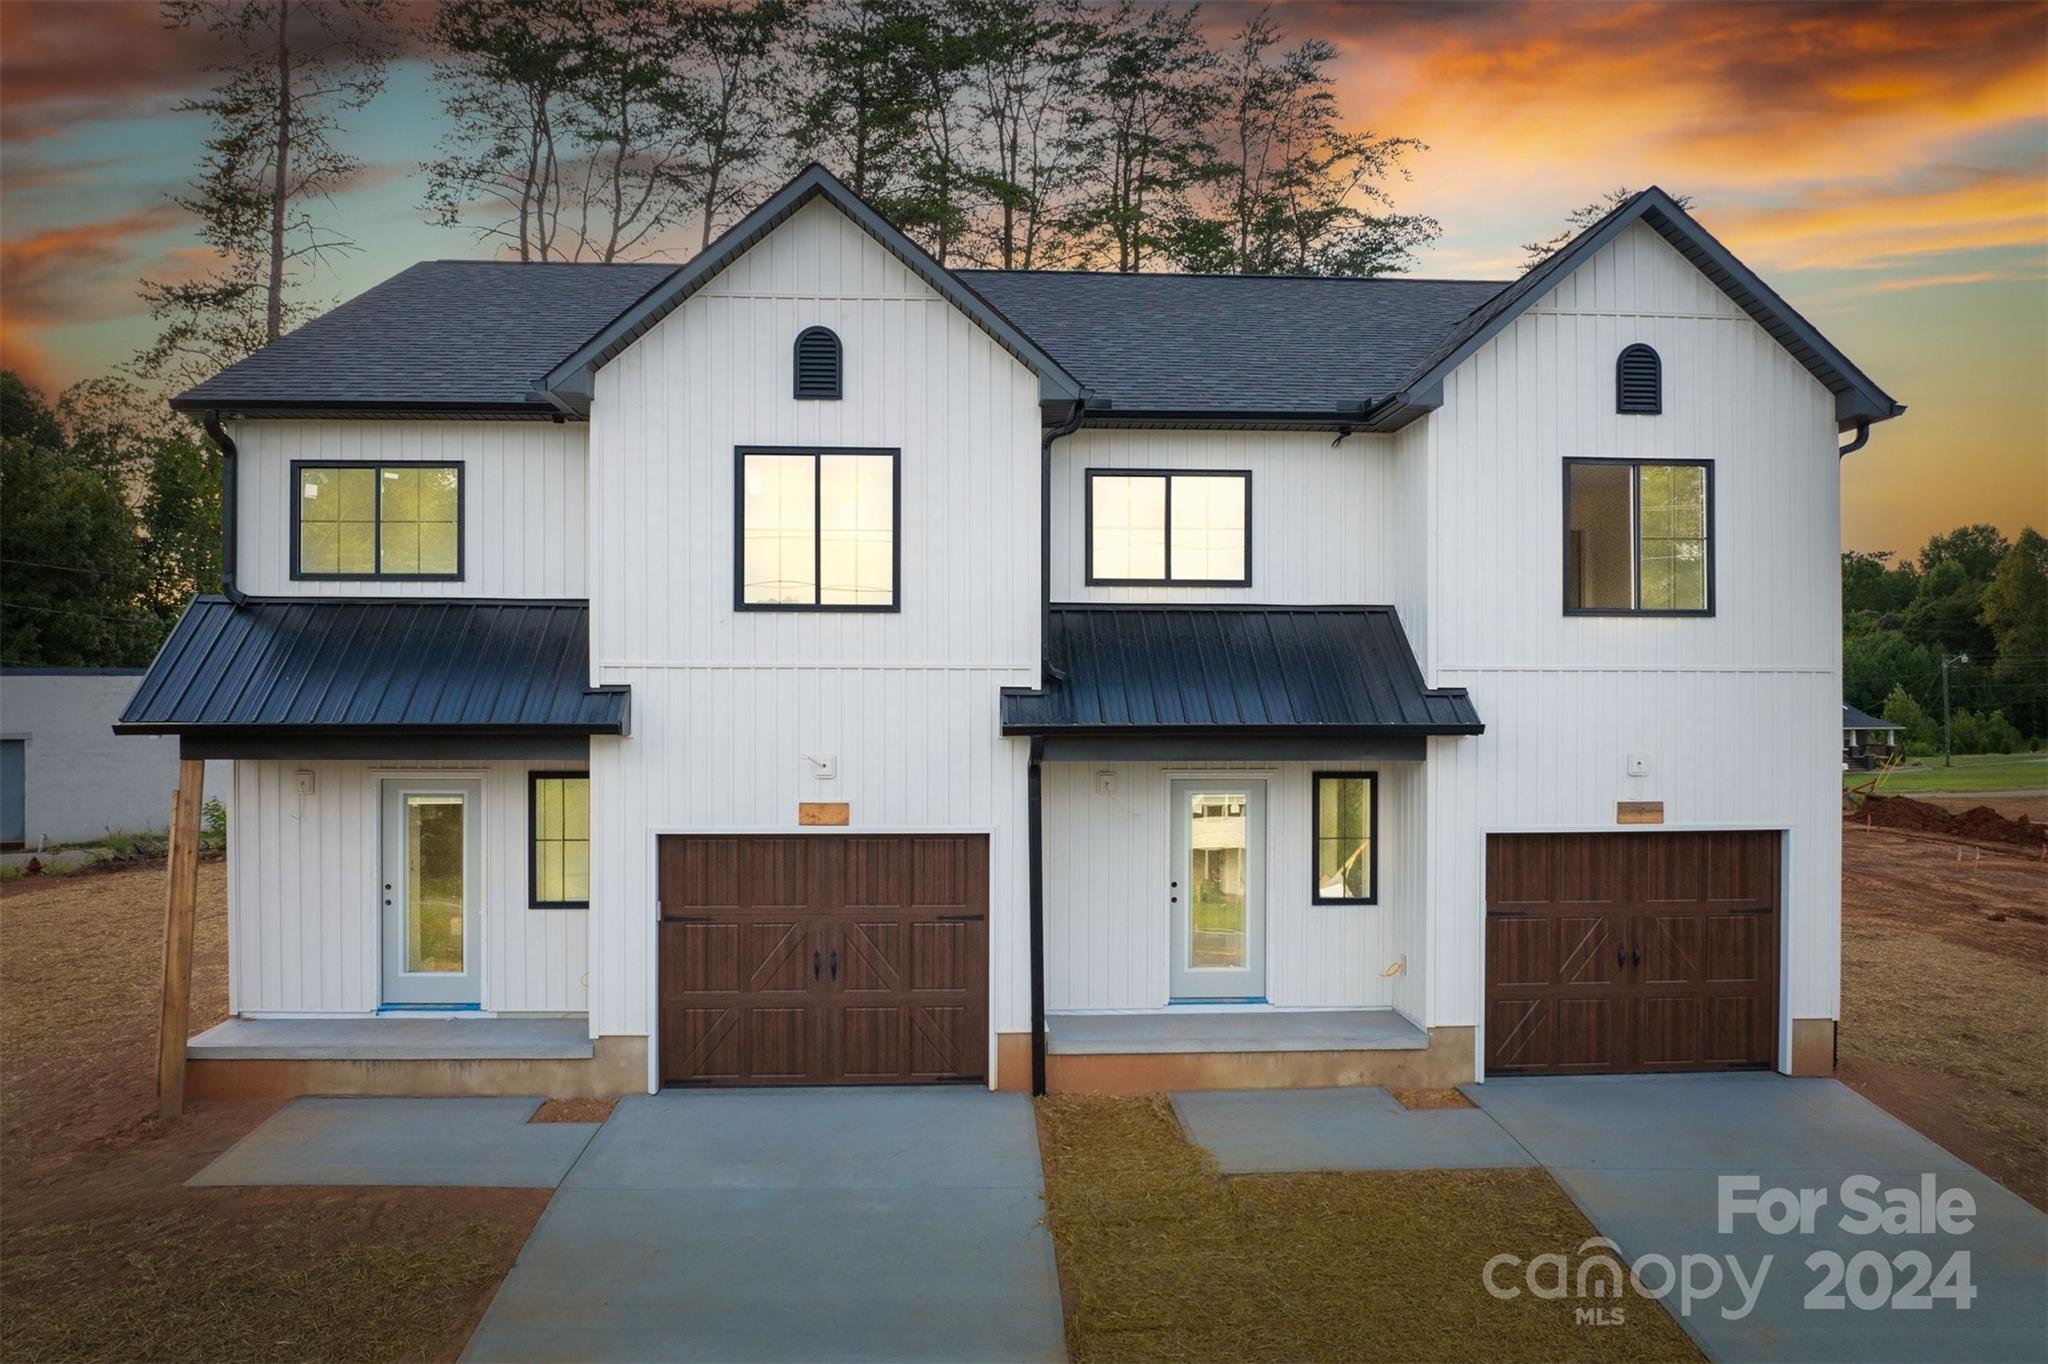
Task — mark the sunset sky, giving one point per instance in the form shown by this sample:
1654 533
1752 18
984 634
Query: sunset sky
1885 167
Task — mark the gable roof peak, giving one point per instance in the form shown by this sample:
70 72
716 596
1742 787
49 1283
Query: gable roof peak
571 384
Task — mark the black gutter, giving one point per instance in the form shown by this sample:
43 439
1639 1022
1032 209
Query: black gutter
1035 806
228 501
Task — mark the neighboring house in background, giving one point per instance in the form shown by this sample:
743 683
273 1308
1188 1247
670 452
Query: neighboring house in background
1866 740
810 664
65 777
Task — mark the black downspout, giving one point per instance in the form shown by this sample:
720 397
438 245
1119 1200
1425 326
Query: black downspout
228 453
1862 439
1035 822
1048 671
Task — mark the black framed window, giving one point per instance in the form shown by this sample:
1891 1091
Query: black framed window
1149 526
1638 537
815 530
1346 817
359 520
558 839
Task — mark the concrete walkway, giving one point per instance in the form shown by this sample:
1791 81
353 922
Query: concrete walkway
1643 1157
477 1143
804 1224
1266 1131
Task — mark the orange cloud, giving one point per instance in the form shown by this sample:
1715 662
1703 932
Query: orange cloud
69 275
1865 227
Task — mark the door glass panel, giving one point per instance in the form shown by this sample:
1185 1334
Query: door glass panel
1218 857
433 882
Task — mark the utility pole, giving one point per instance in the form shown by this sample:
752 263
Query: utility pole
1947 659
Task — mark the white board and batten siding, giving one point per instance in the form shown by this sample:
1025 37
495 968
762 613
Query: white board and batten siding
303 892
1736 713
1325 518
1106 910
729 706
523 495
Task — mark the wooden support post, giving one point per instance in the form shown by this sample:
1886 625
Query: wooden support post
180 907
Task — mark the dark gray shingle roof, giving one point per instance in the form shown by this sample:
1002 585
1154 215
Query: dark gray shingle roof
1853 718
1277 669
1232 343
447 334
376 665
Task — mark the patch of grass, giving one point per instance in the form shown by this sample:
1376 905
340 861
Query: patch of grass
1163 1258
183 1292
1971 772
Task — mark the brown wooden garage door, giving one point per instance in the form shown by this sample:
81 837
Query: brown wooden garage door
823 959
1631 952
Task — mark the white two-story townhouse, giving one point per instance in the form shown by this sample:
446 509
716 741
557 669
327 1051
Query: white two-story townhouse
813 665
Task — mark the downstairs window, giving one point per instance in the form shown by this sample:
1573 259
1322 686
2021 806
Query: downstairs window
1346 819
558 824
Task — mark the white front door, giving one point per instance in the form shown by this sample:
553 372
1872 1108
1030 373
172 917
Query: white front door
433 837
1218 889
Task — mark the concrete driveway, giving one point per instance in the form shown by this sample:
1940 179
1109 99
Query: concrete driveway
805 1224
1644 1156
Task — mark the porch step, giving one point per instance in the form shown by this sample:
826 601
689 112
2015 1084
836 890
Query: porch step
1231 1030
395 1039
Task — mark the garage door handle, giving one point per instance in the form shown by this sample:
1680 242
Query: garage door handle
1620 955
817 964
835 963
1639 954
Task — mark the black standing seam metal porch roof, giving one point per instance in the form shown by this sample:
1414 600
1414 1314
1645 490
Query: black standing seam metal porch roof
1208 670
376 666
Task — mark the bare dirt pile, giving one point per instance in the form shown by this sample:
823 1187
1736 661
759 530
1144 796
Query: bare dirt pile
1979 824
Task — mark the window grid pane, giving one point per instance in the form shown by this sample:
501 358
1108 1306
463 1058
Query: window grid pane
561 840
1599 529
1208 527
857 531
1344 838
1672 503
419 507
1128 527
779 555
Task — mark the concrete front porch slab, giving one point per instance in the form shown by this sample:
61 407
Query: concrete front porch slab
1360 1128
1192 1030
477 1143
394 1039
820 1224
1643 1157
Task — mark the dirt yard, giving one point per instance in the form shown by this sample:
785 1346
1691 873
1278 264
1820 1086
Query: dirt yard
104 1254
1945 995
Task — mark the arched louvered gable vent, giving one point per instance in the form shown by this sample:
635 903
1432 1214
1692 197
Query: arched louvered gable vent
818 363
1639 381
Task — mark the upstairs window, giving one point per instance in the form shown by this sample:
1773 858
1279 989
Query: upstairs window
359 521
1346 820
817 530
1638 538
1147 527
818 363
1639 381
558 812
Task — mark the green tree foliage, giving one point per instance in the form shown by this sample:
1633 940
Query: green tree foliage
271 166
1970 732
1919 731
1970 596
109 521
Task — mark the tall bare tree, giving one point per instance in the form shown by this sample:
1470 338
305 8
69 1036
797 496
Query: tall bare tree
1025 83
734 52
1288 190
292 70
1151 88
